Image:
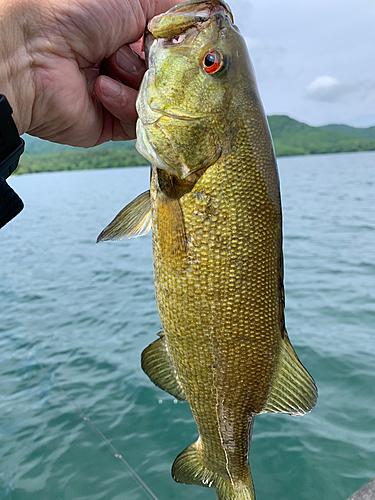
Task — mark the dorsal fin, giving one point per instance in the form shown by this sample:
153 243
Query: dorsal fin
134 220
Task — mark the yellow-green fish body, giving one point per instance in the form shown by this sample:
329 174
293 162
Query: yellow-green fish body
217 244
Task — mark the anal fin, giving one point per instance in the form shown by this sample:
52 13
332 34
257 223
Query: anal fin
293 390
132 221
156 363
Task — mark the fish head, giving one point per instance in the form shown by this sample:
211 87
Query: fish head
187 103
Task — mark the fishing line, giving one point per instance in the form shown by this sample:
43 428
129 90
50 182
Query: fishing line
99 432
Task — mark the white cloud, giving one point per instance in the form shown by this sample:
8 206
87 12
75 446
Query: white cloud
293 44
322 83
327 89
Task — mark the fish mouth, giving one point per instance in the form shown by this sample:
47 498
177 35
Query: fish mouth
185 16
190 6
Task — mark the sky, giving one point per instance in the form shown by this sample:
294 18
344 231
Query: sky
314 59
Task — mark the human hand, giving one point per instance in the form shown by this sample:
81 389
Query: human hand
61 63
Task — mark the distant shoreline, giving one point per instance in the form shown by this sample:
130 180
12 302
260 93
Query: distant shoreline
22 171
290 137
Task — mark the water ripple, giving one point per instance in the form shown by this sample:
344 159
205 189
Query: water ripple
85 312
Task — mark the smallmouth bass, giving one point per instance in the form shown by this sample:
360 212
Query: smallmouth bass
215 212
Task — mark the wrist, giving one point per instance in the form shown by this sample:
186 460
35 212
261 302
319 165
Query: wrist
15 64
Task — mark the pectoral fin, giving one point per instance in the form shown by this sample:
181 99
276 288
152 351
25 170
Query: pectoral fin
134 220
171 231
293 390
156 363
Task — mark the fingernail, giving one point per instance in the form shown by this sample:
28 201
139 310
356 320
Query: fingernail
129 60
109 87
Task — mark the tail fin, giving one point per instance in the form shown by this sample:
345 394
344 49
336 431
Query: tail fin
227 491
188 468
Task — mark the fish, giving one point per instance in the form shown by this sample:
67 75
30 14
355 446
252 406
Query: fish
214 208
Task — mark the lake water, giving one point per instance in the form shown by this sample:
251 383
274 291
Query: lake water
75 316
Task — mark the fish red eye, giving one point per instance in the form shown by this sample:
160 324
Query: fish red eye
212 62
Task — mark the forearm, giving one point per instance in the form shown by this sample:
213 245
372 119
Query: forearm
16 81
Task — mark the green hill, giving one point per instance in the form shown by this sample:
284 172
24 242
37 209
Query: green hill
365 133
80 160
290 137
45 156
296 138
36 146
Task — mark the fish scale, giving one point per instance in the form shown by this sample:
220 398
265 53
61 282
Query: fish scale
215 211
240 312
